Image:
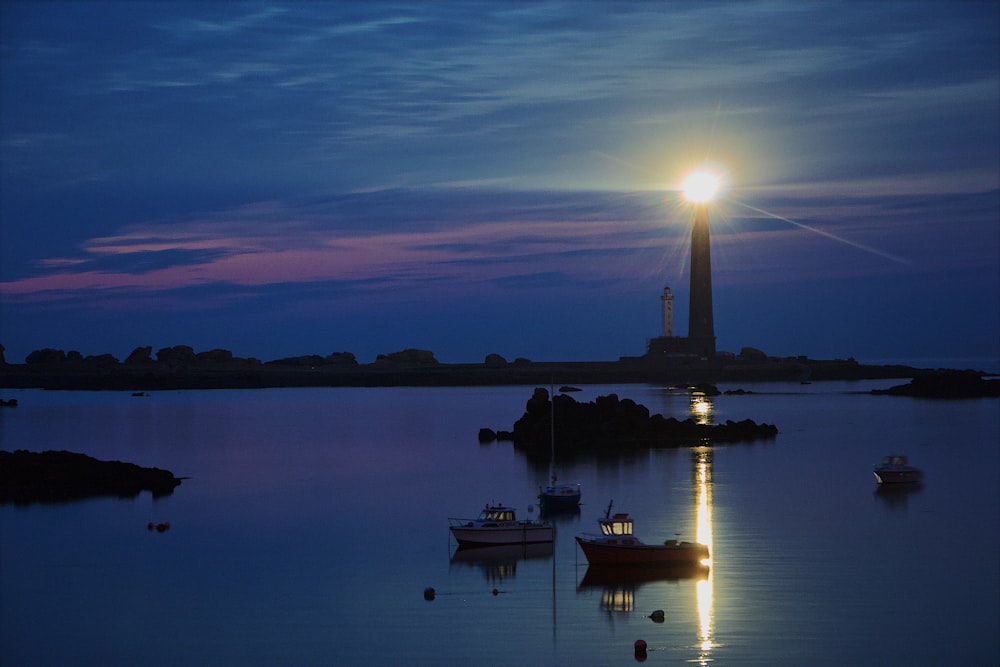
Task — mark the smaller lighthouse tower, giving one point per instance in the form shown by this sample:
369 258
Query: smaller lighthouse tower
668 313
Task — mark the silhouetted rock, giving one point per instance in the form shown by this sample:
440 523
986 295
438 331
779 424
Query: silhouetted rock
609 425
487 435
218 357
45 356
27 477
408 357
101 361
495 361
341 359
305 361
140 355
178 355
3 359
946 384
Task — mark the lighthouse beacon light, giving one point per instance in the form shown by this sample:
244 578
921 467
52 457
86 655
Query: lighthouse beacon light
701 186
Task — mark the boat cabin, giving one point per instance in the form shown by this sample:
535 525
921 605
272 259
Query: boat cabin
618 524
496 514
895 460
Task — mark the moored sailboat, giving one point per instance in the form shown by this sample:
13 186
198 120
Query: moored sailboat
556 496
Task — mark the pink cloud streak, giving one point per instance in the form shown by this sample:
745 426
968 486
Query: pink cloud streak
253 253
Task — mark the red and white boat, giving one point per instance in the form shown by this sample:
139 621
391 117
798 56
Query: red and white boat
617 545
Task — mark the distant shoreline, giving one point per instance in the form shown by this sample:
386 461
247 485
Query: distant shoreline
237 374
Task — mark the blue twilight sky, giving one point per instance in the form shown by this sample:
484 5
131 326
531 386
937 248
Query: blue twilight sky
472 178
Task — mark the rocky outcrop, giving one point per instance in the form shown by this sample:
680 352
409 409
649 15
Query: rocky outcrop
45 356
495 361
336 359
408 357
178 355
609 425
946 384
140 355
27 477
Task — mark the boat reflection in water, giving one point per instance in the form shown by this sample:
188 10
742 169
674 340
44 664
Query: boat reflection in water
499 563
559 514
897 496
619 584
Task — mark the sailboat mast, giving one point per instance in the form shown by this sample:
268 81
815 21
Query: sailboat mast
552 432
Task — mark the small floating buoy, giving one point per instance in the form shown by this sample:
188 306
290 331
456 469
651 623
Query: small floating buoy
640 650
495 592
163 527
150 526
428 593
657 616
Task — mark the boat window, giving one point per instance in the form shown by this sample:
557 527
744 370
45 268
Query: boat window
623 527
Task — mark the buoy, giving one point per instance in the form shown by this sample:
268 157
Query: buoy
150 526
428 593
495 592
162 527
657 616
640 650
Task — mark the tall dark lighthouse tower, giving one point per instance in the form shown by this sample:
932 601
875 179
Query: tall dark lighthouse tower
699 189
701 324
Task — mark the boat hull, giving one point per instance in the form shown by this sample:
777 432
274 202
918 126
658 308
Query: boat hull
559 497
598 553
521 534
898 476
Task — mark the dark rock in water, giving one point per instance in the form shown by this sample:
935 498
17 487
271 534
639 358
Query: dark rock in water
609 425
27 477
487 435
946 384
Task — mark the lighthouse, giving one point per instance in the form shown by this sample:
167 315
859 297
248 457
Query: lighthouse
701 323
668 313
699 189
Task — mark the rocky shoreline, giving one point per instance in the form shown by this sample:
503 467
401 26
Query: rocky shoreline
946 384
61 476
180 367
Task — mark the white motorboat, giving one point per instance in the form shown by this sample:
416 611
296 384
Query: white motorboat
498 524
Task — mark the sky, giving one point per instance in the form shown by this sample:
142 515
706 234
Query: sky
282 179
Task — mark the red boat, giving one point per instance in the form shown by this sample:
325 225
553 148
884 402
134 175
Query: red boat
618 546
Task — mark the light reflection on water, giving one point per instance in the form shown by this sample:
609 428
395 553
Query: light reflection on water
703 486
314 519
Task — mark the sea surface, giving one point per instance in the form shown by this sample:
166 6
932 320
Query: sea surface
311 522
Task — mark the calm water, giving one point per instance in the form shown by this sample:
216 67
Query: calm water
314 519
